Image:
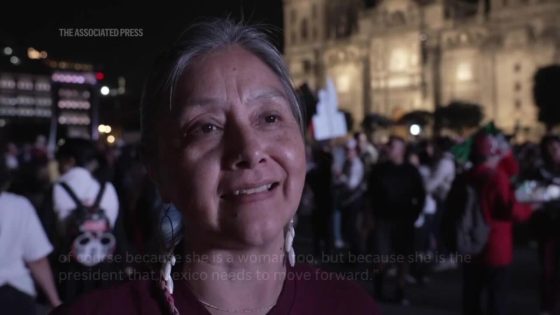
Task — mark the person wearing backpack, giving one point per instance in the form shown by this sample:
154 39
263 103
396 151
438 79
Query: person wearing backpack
87 211
488 270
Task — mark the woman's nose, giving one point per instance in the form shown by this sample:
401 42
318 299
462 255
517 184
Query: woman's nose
245 148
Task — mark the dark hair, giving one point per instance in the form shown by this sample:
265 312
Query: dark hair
199 39
395 138
81 150
545 141
5 175
483 147
423 156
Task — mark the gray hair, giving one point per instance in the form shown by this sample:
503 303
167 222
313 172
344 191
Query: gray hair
199 39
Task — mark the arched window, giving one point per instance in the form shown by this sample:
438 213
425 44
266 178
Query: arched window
304 32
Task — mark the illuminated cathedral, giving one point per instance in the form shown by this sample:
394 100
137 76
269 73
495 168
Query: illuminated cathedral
395 56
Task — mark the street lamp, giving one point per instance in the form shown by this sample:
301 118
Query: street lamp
105 90
415 129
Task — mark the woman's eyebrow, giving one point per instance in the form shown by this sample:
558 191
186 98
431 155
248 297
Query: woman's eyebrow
203 101
267 94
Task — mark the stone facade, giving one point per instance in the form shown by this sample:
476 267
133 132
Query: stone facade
403 55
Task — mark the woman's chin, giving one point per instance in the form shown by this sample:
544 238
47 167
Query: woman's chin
253 234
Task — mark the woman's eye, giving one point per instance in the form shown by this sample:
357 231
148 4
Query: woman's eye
271 118
201 130
208 128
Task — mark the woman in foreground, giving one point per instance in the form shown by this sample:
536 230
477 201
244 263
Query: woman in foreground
223 137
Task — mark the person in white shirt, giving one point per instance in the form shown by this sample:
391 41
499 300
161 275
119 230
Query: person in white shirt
24 247
76 158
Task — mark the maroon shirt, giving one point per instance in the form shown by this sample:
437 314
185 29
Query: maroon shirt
306 290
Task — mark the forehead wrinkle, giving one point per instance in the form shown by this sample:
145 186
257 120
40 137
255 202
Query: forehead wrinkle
267 93
203 102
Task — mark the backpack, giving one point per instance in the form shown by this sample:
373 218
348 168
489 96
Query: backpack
464 228
91 240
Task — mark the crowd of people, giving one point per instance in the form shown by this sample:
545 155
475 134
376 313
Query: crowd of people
222 175
398 198
41 195
386 199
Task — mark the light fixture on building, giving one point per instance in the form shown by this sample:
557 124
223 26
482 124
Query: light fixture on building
111 139
74 78
15 60
464 72
8 50
415 129
105 90
33 53
104 129
343 83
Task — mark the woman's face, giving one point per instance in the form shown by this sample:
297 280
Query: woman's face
232 156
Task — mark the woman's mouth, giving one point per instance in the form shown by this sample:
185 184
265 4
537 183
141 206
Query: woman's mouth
251 190
255 190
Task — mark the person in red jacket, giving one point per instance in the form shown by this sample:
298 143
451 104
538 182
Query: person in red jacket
488 271
508 163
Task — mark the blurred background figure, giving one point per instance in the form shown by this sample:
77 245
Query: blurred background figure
485 278
367 151
545 226
76 162
320 179
351 190
24 248
397 197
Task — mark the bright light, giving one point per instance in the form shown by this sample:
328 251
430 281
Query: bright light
399 60
415 129
343 83
111 139
464 72
14 60
32 53
104 129
74 78
8 50
105 90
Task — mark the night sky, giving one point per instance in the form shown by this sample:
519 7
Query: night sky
37 25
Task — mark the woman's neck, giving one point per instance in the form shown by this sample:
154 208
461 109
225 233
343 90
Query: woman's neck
237 280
